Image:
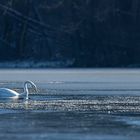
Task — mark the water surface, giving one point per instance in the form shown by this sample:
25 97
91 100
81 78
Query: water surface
72 105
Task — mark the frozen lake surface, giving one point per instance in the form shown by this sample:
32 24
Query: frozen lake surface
72 104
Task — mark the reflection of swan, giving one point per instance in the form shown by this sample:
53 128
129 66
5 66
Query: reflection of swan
8 93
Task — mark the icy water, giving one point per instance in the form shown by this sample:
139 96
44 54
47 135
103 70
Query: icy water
78 104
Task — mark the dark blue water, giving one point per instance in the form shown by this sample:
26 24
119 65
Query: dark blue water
72 105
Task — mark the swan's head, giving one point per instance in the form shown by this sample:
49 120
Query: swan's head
31 84
26 91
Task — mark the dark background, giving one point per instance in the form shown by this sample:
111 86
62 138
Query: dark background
79 33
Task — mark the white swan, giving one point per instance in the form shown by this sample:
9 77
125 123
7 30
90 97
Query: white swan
8 93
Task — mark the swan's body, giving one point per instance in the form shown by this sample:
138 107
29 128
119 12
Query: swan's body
8 93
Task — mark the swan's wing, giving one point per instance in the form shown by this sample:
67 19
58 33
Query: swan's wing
5 92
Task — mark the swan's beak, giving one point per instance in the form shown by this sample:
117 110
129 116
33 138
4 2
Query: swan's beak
35 88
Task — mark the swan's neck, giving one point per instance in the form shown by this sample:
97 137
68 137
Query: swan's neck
26 91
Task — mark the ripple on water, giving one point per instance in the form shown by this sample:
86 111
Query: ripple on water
97 104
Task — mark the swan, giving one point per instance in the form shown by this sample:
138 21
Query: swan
8 93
